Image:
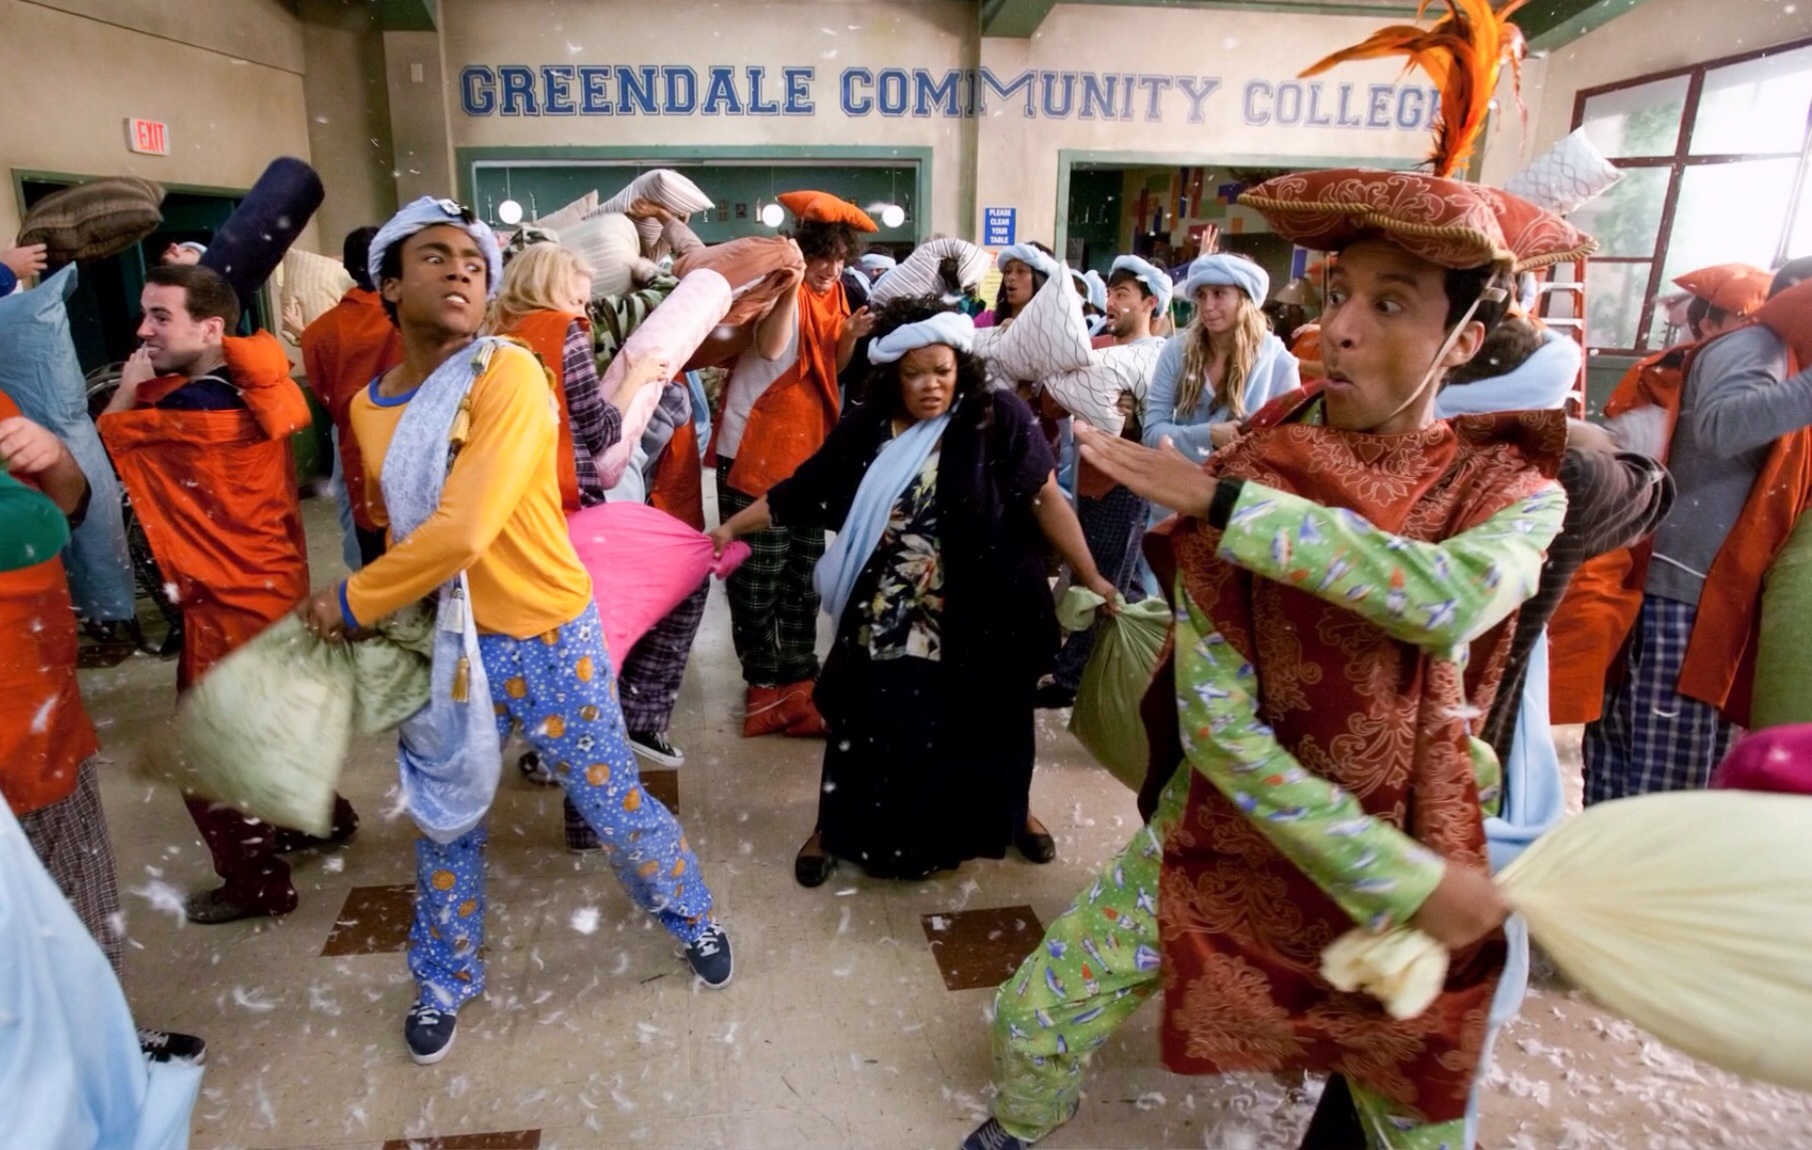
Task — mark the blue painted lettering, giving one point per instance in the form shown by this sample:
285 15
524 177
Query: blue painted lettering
1289 103
1024 82
720 95
798 82
1099 96
1254 115
557 90
1050 80
477 90
1410 104
635 90
1346 120
757 106
1197 91
1317 118
680 85
1377 106
890 90
1155 87
518 90
854 105
941 94
594 90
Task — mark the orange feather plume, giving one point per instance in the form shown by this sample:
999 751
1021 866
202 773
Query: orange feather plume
1463 54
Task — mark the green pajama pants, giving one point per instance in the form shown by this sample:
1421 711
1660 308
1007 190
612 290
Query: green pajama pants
1096 965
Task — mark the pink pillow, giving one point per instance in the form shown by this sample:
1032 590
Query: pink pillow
1778 759
643 562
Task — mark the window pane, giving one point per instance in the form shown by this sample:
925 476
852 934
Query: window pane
1626 220
1756 106
1614 303
1639 121
1800 243
1729 213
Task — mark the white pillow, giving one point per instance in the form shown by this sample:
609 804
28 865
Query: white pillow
571 214
1566 176
1092 394
610 246
1048 338
917 273
317 281
665 187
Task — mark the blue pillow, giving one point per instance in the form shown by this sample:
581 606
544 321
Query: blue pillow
39 370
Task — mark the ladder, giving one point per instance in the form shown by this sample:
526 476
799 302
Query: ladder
1560 304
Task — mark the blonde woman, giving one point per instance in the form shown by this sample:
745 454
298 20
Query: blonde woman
542 303
1222 367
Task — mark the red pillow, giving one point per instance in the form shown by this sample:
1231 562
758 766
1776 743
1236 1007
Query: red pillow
824 208
1446 222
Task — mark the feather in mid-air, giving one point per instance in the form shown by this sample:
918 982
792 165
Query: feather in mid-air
1463 54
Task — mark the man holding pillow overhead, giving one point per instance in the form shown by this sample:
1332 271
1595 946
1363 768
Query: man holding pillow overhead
782 400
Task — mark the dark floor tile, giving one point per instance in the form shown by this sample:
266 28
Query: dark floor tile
497 1140
976 948
375 920
663 785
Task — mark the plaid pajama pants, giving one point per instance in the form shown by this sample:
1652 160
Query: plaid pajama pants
773 606
1112 526
650 682
1652 738
71 840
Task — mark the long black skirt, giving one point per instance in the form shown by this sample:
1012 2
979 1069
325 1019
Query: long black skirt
923 768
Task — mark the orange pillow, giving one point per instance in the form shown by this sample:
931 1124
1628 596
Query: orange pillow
1789 315
1446 222
824 208
1735 288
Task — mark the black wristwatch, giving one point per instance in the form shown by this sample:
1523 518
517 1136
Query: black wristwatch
1226 494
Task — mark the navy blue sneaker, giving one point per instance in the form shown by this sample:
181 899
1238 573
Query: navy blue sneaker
710 957
990 1136
429 1032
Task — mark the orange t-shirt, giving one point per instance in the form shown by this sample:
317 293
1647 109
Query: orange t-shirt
351 344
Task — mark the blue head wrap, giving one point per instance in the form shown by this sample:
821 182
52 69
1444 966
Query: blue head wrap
1044 265
426 213
946 327
1224 270
1153 277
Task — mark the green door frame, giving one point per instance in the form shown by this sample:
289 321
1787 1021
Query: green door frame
467 161
1069 158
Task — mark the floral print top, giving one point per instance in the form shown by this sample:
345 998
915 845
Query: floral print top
902 613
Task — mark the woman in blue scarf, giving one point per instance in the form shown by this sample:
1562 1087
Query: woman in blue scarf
942 494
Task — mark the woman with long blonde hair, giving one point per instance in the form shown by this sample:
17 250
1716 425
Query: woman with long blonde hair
1222 367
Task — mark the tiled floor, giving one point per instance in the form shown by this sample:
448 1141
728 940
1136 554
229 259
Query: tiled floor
859 1012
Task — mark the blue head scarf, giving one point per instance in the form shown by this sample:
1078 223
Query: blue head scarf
1153 277
1038 261
426 213
1224 270
946 327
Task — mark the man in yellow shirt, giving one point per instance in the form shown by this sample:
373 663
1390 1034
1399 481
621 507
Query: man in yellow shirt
459 443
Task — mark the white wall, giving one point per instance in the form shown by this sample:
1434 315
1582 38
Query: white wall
1656 36
826 35
1002 156
1019 157
231 106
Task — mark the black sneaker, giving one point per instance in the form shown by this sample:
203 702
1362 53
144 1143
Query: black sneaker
429 1032
710 958
653 746
990 1136
1053 696
532 770
169 1046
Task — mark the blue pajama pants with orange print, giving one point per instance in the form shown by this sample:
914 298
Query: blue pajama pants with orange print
560 688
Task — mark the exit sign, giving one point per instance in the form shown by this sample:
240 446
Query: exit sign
149 137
